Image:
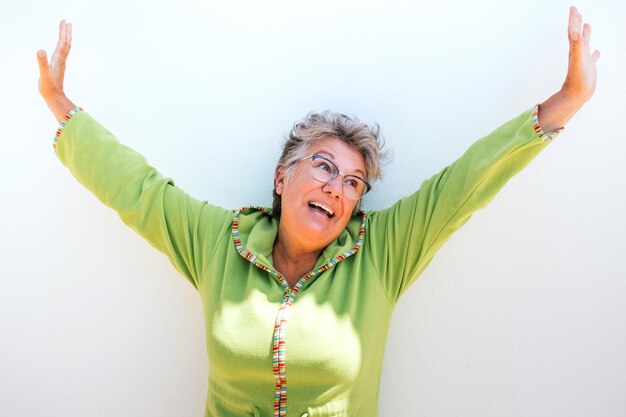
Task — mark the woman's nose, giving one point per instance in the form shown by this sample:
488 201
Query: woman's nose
334 187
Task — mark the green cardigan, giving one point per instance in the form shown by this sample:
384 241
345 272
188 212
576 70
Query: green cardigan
315 349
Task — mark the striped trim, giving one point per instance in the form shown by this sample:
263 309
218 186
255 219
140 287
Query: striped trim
280 326
62 124
542 136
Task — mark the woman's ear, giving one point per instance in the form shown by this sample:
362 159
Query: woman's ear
279 181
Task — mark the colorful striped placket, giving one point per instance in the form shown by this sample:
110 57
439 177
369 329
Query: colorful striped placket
282 317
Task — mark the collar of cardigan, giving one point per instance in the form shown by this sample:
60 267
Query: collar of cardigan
254 232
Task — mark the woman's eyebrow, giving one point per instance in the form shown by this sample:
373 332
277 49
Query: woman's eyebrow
327 153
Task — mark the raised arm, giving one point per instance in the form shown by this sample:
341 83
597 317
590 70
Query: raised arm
407 235
580 82
187 230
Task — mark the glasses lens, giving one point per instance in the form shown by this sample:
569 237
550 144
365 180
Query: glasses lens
353 187
325 171
322 169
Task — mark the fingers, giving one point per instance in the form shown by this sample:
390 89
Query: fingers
61 29
574 24
595 56
577 31
65 41
586 33
65 32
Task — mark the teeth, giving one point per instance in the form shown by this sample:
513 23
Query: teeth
323 207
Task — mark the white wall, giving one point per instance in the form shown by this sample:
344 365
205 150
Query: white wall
521 313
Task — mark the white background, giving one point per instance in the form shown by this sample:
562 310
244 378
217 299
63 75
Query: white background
521 313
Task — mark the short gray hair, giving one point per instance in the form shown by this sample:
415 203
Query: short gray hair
364 139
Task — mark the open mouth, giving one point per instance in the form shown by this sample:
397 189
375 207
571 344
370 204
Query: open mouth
322 209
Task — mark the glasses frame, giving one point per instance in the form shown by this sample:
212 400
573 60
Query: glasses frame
336 173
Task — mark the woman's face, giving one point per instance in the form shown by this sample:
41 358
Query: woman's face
302 195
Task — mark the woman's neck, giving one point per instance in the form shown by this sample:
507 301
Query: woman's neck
292 260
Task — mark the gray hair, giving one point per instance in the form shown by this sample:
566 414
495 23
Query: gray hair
314 127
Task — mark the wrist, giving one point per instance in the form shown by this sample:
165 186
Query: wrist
60 105
557 110
571 97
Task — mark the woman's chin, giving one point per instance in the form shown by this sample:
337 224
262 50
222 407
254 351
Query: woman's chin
316 227
320 229
314 230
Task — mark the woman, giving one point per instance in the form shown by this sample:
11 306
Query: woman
298 299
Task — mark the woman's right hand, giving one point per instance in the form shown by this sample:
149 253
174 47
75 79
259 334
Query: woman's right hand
51 74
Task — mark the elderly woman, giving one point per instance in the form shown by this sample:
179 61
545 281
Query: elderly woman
298 298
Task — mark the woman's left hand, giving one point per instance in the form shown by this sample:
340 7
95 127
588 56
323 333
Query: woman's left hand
580 82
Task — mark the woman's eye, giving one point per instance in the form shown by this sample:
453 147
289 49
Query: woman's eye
351 183
324 166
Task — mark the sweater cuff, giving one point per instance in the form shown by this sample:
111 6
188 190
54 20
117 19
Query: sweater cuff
544 137
62 124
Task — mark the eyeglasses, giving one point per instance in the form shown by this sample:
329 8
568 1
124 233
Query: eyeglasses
324 170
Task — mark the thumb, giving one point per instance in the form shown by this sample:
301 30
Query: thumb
44 67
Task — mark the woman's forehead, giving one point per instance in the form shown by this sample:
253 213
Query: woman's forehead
347 158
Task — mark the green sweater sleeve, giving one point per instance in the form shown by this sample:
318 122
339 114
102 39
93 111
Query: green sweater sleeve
183 228
404 238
